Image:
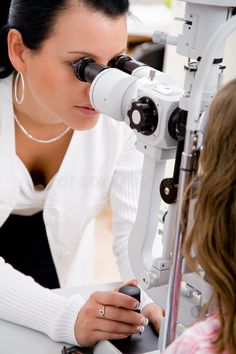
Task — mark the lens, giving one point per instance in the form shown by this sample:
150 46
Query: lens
86 69
125 63
79 67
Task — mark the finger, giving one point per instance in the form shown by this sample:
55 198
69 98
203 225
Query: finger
153 309
123 315
154 313
109 326
129 282
114 298
156 324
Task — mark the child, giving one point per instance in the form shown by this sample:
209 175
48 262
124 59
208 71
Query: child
213 235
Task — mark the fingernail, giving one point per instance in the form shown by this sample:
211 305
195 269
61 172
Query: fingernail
137 306
144 321
140 329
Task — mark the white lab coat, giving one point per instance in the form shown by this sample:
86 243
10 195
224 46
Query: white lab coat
100 163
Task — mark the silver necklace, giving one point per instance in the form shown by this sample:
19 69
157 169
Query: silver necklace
37 140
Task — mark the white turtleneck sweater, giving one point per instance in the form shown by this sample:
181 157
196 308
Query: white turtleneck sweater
100 164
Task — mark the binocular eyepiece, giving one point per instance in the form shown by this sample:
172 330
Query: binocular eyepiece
125 63
86 69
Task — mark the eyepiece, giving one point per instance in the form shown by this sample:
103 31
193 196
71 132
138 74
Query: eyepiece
79 67
125 63
86 69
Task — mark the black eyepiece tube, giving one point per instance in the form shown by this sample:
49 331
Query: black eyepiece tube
125 63
86 69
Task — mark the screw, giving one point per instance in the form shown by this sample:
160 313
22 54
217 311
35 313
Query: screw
167 191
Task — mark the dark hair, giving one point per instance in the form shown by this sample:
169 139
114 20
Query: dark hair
34 19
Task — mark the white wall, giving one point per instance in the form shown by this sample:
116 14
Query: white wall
230 57
173 62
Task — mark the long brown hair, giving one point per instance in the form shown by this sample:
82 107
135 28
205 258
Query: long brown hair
213 234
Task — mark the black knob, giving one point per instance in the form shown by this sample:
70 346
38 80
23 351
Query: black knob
134 291
168 190
131 290
143 116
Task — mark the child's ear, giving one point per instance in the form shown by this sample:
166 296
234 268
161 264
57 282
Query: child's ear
17 50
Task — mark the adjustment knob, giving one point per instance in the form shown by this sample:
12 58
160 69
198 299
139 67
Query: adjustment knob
168 190
143 116
131 290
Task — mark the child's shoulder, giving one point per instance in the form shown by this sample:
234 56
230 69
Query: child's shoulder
210 327
196 339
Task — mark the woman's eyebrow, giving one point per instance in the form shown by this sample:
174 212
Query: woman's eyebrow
87 54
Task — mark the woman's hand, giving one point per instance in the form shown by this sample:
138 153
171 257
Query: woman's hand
154 314
108 315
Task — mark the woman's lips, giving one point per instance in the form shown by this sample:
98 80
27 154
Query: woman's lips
87 110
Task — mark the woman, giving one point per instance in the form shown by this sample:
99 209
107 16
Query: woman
60 163
213 234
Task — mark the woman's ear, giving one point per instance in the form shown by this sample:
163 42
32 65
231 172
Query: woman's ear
16 50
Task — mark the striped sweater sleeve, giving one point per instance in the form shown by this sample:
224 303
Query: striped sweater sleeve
197 339
26 303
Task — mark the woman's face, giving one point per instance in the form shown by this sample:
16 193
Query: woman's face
53 94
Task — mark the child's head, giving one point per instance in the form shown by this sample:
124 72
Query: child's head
212 239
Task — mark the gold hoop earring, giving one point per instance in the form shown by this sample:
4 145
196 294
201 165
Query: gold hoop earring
19 76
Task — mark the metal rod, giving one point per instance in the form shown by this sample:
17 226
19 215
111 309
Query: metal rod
172 304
